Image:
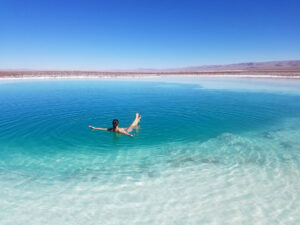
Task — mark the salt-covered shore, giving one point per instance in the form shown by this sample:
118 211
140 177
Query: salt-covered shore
272 69
143 75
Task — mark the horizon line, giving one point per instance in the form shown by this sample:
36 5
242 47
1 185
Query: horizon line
153 68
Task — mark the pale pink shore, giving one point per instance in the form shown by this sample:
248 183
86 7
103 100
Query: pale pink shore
138 77
272 69
45 77
102 74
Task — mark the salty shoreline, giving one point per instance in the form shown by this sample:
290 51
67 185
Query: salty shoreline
284 69
45 77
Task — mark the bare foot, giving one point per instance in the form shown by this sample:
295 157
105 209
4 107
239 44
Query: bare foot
138 117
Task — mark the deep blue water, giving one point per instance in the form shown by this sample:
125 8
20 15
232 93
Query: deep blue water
58 112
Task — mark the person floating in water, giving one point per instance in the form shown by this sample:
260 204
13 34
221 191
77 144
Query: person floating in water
116 128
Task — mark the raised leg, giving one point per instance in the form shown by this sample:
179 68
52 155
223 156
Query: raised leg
135 122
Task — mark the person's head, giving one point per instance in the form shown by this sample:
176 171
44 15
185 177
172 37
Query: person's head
115 123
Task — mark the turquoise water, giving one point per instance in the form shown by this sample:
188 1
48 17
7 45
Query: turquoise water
206 152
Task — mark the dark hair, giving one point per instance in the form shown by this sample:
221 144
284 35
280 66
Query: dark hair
115 123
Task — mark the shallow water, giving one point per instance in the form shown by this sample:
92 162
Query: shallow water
204 153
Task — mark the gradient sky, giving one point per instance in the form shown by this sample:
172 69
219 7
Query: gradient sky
128 34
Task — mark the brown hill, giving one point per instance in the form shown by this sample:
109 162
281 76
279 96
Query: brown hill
275 68
291 65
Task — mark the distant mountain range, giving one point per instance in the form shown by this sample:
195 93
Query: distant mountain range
289 68
290 65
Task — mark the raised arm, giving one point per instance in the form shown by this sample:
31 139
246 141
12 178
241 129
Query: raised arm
97 128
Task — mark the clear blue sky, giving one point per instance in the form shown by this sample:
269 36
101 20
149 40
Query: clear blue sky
127 34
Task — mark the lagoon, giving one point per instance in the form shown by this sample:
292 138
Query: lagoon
208 151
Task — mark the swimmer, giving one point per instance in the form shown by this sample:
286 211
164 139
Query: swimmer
116 128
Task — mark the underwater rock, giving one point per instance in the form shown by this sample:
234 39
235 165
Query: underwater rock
153 173
286 145
268 135
180 161
213 161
